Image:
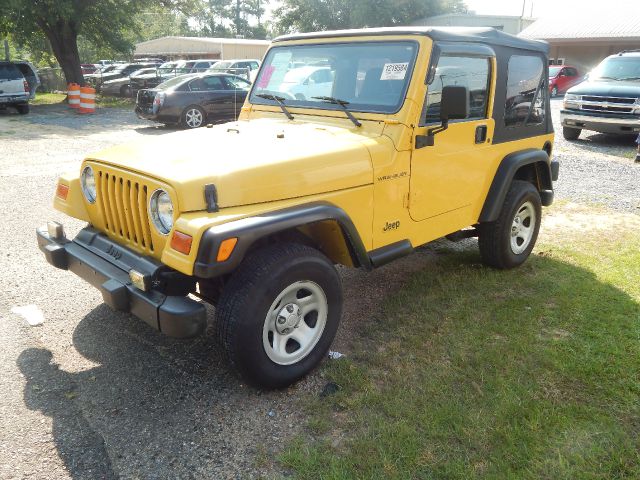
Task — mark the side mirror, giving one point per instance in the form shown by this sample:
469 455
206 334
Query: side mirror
454 105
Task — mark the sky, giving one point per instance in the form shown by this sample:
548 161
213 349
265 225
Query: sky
540 7
543 8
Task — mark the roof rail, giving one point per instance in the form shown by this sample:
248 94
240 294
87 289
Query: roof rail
629 51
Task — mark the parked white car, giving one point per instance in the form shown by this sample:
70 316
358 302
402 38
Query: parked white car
247 68
307 82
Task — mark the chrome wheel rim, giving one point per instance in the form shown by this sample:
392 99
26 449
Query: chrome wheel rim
193 118
522 227
295 322
554 92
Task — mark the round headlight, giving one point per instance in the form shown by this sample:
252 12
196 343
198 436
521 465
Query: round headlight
161 211
88 183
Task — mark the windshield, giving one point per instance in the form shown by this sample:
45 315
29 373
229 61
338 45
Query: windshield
553 71
368 76
175 81
618 68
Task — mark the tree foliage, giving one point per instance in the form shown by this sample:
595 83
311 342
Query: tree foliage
315 15
104 23
232 18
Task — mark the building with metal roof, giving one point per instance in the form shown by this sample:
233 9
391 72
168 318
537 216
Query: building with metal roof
171 48
504 23
587 37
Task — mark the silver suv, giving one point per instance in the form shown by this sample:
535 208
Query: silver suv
18 82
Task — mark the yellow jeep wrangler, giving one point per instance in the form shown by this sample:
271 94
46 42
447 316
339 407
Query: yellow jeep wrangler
353 148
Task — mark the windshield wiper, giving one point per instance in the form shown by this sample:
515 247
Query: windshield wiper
629 78
276 98
343 104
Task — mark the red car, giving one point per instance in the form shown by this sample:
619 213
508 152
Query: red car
562 78
88 68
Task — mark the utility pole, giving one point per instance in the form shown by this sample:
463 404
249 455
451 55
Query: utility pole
524 4
6 50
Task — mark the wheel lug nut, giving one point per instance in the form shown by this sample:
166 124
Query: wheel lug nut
290 308
281 320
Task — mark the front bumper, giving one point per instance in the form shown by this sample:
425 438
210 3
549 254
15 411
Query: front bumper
106 265
603 123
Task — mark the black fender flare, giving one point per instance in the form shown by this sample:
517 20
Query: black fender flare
509 166
251 229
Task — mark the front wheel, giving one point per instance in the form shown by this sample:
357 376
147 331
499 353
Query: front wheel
571 133
23 109
279 313
508 241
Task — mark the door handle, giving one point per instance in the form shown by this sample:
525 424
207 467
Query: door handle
481 134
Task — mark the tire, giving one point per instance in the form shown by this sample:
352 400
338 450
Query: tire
571 133
554 92
193 117
125 91
23 109
261 313
507 242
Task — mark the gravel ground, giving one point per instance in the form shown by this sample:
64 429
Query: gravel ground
95 394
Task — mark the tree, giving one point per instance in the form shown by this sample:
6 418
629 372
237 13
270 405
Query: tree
228 18
102 22
315 15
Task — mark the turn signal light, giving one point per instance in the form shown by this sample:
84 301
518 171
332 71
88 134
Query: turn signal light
62 191
226 249
181 242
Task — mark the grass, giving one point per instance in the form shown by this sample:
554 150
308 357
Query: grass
48 98
105 102
469 372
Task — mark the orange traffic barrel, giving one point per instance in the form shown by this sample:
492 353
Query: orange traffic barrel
87 100
73 95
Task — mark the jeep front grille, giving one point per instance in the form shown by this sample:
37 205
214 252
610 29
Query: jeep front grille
607 104
123 206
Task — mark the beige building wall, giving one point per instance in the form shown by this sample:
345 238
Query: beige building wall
586 55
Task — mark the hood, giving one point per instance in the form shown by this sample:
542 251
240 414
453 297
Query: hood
250 162
607 88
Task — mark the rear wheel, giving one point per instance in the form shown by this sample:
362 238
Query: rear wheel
125 91
193 117
23 109
508 241
279 313
571 133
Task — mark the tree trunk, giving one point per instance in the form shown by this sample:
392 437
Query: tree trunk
63 38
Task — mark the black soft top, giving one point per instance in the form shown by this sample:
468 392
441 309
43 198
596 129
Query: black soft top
489 36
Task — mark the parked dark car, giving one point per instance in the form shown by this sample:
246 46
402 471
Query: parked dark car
193 100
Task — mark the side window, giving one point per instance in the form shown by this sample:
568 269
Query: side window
197 85
470 72
572 72
525 103
237 83
214 83
254 65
